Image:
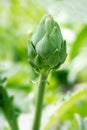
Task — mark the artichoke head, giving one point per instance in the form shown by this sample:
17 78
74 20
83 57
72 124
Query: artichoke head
46 48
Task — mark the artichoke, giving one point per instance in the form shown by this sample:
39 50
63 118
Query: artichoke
46 47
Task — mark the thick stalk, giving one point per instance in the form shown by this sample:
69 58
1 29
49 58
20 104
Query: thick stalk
41 90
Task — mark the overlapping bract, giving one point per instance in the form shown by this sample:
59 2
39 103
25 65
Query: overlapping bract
46 48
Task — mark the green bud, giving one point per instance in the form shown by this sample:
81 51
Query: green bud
46 48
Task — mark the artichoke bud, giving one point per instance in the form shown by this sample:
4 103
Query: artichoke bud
46 48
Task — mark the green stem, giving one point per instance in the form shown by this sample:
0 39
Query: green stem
41 90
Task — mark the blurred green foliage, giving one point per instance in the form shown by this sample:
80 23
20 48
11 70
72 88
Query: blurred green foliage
18 19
